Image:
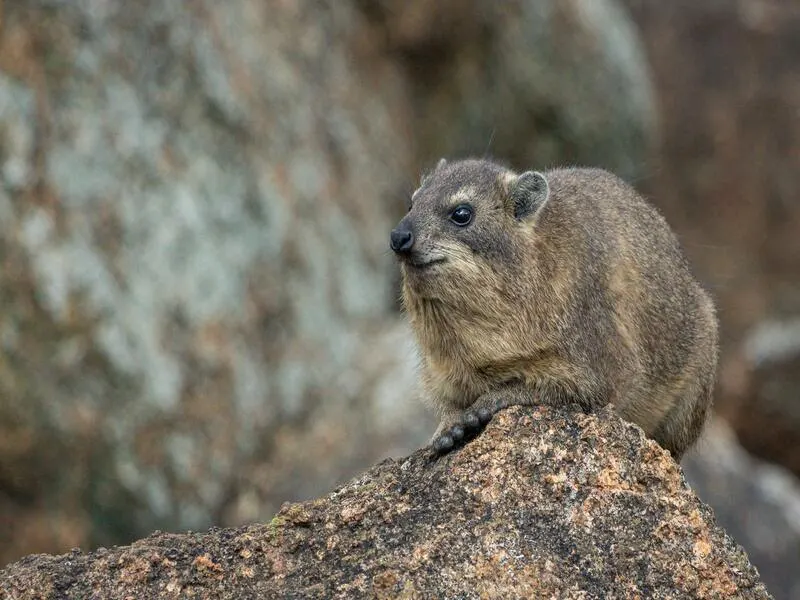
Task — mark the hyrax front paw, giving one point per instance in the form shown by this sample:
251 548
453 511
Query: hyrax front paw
468 425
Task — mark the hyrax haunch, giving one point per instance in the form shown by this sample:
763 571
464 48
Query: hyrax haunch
553 287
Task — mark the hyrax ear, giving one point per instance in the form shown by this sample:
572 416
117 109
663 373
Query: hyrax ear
425 176
529 193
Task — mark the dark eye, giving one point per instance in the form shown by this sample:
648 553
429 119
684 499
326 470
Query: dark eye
461 215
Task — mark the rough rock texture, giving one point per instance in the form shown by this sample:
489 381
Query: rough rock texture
198 307
544 504
727 85
757 503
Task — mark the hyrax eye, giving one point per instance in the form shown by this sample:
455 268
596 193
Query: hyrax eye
461 215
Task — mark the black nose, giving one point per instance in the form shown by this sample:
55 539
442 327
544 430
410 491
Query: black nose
401 240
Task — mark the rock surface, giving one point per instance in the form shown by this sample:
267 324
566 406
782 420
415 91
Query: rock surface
757 503
544 503
198 303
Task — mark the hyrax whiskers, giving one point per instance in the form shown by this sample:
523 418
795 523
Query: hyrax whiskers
554 287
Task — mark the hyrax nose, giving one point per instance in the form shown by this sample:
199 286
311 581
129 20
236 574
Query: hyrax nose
401 240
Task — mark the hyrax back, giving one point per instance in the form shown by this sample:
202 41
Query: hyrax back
554 287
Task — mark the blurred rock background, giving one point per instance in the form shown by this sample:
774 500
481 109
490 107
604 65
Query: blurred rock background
199 316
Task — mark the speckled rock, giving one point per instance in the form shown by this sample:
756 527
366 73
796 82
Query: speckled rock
545 503
757 503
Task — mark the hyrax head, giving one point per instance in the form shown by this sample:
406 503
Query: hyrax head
462 221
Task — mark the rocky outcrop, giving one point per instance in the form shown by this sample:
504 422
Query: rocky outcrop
544 503
198 304
756 502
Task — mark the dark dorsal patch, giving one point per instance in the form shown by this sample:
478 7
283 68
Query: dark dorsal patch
529 193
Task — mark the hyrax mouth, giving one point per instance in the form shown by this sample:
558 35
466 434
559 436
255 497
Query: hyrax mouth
425 264
421 264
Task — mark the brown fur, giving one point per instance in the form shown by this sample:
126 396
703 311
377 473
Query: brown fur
588 299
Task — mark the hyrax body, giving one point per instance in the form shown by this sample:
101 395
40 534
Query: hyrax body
557 287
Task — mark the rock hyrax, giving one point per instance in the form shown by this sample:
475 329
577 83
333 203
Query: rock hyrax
553 287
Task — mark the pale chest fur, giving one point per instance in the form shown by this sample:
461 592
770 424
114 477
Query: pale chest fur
448 372
463 357
451 385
